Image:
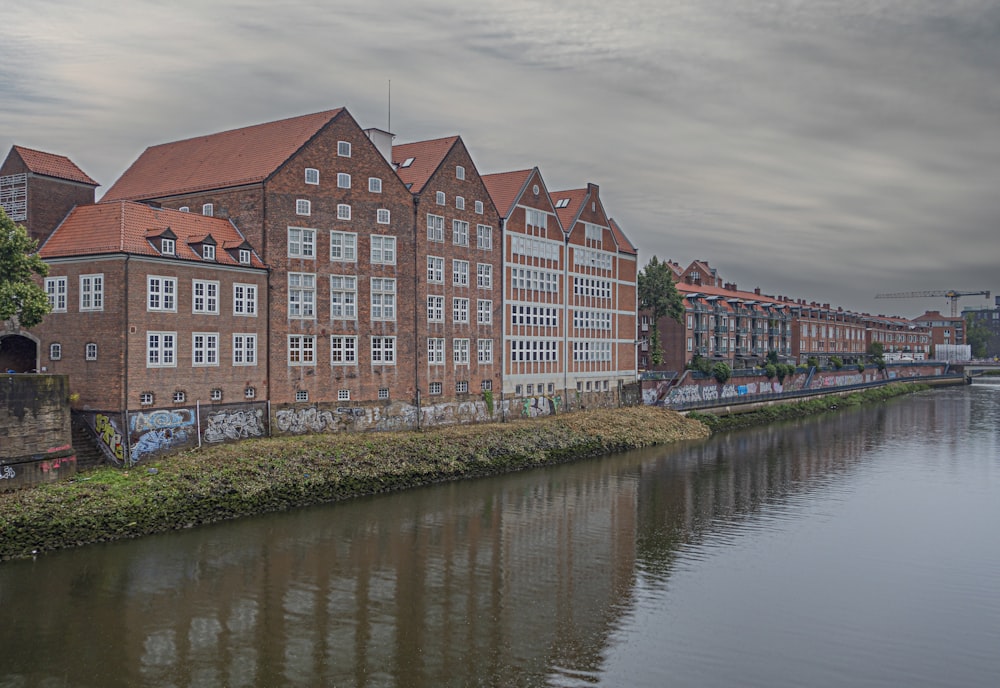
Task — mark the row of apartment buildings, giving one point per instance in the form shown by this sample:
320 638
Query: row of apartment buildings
723 323
310 260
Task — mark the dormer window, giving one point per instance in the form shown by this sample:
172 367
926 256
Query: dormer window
168 247
245 256
208 252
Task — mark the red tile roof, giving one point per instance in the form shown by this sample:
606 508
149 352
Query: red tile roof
569 211
230 158
624 245
427 157
505 188
124 227
52 165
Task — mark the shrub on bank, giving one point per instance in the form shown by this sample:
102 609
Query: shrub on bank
257 476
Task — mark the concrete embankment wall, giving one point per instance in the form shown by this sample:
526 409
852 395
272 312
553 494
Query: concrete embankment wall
35 431
752 390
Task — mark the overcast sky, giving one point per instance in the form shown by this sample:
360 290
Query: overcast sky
820 149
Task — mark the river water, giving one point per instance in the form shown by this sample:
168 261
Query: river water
859 548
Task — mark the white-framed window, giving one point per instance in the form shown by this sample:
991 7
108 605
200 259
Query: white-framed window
244 256
435 228
55 288
303 207
208 209
92 292
383 298
486 385
302 395
312 175
343 350
301 242
460 351
161 349
440 198
146 398
484 311
55 351
343 247
484 350
90 351
208 251
435 270
168 247
343 395
479 207
245 300
484 237
383 250
343 211
343 297
180 396
301 349
161 293
249 392
460 273
484 275
204 348
459 202
344 149
460 232
459 172
460 310
462 387
383 392
382 216
343 180
205 297
215 394
374 185
244 349
435 351
302 295
383 351
435 308
434 388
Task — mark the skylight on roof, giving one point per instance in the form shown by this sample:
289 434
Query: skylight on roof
407 162
562 203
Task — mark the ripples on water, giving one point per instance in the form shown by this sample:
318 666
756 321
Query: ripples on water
853 549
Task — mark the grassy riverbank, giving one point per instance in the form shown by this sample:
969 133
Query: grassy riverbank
257 476
806 407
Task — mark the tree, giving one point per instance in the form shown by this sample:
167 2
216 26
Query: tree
722 372
20 295
977 336
658 294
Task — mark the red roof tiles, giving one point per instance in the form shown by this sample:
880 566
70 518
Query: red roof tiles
505 188
624 245
126 227
51 165
230 158
427 157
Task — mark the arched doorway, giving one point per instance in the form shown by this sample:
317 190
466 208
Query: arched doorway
18 353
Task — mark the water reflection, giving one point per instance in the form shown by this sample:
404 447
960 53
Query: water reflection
520 580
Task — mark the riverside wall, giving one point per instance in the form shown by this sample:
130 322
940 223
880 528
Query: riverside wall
35 432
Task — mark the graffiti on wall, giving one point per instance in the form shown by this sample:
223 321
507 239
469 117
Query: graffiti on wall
301 420
157 431
234 425
535 407
109 436
7 473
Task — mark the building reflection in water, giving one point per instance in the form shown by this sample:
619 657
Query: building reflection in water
501 581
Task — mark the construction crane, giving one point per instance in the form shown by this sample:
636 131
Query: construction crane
951 294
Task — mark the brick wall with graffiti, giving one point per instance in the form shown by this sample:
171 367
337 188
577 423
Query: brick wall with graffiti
690 390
